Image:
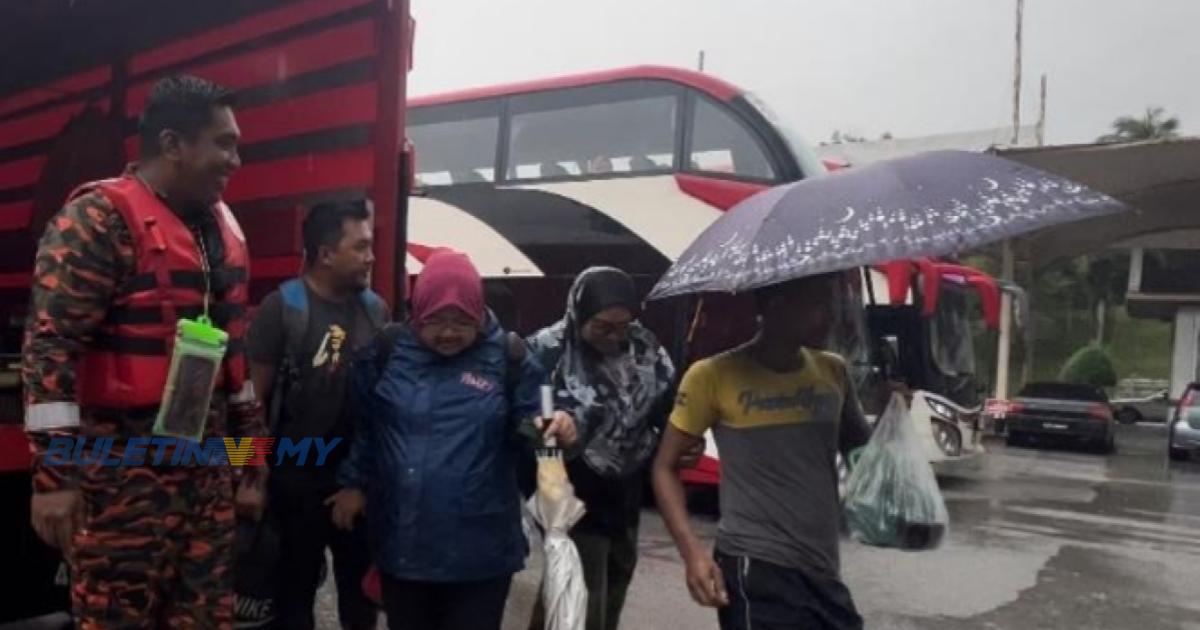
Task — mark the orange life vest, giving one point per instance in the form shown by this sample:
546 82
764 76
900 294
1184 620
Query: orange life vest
126 365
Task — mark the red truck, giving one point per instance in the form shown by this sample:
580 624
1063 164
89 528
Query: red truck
322 90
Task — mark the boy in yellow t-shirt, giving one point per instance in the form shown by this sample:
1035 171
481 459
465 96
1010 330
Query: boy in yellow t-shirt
780 411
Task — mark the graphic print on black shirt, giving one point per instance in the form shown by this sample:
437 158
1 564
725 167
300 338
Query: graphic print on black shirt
314 403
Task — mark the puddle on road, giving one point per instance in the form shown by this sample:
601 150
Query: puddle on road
962 579
1015 512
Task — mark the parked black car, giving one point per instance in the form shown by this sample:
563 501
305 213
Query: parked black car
1064 411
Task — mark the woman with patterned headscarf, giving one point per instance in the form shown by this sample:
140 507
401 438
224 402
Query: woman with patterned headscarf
617 381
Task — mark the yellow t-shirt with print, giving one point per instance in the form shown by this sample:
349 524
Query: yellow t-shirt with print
777 434
732 388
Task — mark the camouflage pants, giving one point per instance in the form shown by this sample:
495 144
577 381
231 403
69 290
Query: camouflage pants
156 549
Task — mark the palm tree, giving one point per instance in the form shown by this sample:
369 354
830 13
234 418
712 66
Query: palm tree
1154 125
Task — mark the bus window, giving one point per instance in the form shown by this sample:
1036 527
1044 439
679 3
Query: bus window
620 128
722 144
546 170
455 144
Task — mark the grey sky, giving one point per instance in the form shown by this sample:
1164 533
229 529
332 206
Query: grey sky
912 67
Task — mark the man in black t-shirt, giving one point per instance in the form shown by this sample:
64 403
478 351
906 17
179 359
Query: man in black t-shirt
300 347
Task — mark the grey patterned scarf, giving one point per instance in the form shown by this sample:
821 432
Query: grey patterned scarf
613 398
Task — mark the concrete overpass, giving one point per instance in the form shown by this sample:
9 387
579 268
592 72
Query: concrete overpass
1161 182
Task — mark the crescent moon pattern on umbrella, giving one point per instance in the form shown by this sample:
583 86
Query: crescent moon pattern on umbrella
934 204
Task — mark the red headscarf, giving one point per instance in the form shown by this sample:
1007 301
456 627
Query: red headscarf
449 279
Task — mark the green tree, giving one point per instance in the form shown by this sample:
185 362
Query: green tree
1153 125
1094 282
1107 282
1090 365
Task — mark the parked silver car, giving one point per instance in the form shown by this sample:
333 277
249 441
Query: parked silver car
1154 408
1183 433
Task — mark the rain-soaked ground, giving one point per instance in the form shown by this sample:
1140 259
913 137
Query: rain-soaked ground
1046 538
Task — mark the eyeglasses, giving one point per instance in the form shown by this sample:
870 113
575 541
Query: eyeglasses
452 326
608 329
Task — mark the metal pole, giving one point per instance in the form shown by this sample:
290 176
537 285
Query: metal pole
1006 317
1028 333
1041 125
1007 263
1017 76
389 192
700 62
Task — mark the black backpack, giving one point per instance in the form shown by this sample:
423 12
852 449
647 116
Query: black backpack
295 313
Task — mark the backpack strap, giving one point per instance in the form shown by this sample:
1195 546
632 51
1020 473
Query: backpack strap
294 319
384 344
375 308
295 315
514 355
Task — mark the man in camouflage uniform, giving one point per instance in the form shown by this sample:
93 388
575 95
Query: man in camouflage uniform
149 545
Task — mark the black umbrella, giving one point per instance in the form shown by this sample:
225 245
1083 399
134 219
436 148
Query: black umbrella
933 204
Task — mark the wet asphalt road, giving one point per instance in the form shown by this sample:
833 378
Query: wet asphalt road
1040 538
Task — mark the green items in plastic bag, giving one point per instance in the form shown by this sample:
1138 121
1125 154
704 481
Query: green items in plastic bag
892 496
195 364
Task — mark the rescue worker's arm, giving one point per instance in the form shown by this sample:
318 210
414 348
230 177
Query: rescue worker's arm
694 413
246 417
265 347
261 358
84 253
263 377
246 420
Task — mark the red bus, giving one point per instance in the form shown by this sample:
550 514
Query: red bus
541 179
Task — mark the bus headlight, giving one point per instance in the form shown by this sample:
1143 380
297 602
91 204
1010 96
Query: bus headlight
941 409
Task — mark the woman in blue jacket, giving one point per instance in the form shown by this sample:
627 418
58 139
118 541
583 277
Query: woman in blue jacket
434 457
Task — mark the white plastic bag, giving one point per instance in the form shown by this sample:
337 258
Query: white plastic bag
892 497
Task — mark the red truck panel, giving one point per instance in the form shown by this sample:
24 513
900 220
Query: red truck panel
321 91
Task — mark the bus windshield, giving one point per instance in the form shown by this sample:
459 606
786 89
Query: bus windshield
950 331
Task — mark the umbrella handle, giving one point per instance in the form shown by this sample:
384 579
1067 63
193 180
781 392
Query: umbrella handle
548 412
695 321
